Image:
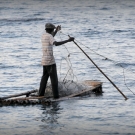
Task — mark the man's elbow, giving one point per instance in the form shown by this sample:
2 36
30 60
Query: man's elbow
55 43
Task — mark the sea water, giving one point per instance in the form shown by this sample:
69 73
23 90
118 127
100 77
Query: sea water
105 29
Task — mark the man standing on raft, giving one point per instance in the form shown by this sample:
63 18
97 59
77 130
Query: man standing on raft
48 61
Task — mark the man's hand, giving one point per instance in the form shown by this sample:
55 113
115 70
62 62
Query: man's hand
58 28
71 39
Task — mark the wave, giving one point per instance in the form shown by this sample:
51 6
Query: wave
125 64
105 8
119 31
21 19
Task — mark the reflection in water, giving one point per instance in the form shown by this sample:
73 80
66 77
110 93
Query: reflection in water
49 116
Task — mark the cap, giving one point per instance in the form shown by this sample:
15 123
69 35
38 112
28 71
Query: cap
50 26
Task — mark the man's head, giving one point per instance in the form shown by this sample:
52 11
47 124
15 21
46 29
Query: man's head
49 27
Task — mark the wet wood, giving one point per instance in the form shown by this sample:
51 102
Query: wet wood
92 83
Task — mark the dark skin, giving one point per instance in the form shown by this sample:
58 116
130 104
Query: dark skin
51 31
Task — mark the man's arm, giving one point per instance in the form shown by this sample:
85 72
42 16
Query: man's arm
63 42
57 29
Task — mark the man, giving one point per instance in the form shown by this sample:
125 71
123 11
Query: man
48 61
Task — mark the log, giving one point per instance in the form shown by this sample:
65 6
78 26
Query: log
24 102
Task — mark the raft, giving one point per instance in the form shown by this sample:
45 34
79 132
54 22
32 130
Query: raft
27 98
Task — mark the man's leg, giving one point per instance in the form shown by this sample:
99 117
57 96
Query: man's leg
54 80
43 82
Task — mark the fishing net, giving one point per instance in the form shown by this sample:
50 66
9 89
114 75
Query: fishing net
67 88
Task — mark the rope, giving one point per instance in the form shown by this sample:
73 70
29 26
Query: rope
69 62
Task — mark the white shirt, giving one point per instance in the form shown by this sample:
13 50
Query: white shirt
47 48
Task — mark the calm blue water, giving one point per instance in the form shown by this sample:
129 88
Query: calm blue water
105 27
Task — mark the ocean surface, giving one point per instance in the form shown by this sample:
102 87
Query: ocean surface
105 29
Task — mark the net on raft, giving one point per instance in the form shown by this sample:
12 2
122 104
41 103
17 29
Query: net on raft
66 88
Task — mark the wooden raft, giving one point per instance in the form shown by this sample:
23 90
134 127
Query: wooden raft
95 87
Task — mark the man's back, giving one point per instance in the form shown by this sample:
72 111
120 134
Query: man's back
47 48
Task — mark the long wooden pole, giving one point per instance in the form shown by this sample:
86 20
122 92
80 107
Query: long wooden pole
17 95
100 70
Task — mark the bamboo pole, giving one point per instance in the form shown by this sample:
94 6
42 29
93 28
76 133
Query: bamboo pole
27 98
100 70
20 94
